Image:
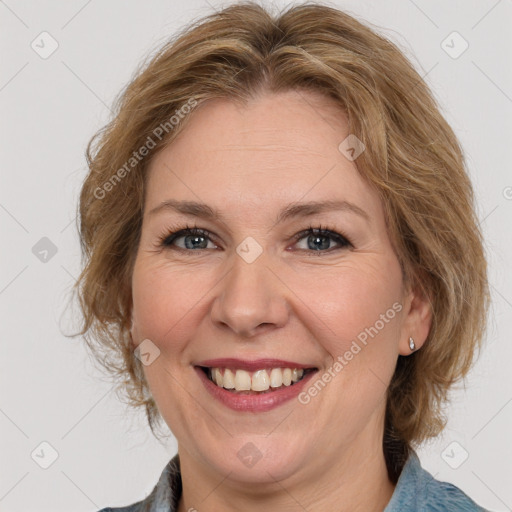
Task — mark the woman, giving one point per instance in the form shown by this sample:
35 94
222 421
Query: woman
284 264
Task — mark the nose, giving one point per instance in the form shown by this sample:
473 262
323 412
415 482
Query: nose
251 300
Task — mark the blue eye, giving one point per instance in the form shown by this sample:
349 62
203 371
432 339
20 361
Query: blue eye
319 239
194 238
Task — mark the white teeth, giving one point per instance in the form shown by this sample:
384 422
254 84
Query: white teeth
229 379
287 376
276 378
242 380
260 380
297 374
217 377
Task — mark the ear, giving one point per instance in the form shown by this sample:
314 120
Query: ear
417 320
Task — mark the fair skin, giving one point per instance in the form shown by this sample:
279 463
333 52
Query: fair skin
294 302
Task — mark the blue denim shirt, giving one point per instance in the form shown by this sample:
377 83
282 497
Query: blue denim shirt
416 491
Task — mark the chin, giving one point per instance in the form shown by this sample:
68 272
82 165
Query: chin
257 459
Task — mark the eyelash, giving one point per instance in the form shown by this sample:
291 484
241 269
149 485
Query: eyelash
166 239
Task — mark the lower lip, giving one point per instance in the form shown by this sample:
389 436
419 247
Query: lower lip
254 403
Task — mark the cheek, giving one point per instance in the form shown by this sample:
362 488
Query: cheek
167 300
355 302
355 315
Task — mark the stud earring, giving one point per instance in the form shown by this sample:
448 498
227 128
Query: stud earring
412 346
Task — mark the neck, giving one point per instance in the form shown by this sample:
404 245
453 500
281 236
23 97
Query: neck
356 482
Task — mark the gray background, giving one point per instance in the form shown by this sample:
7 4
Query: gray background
50 390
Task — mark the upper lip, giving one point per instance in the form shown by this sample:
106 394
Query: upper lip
251 366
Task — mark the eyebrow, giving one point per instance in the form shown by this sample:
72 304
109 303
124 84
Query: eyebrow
292 210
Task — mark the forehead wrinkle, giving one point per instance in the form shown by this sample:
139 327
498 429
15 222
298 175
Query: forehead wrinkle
269 147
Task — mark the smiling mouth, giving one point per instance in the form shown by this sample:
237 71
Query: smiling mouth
255 383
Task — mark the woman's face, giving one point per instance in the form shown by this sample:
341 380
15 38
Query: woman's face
260 292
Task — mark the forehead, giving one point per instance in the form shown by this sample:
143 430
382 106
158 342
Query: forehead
279 148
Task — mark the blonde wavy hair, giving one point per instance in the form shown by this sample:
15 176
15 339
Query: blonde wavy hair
412 159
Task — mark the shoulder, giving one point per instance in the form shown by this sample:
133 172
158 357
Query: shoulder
164 496
442 496
144 505
136 507
417 490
